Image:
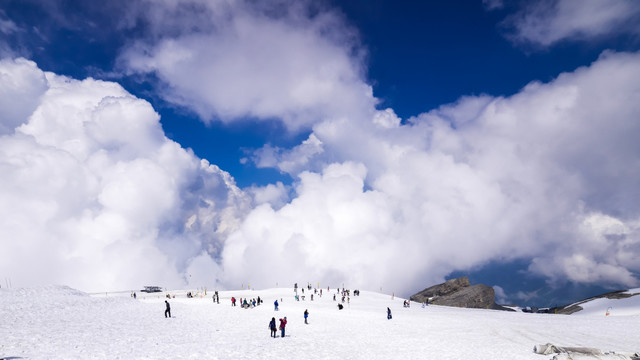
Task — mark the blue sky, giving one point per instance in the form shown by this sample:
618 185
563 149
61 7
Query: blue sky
457 124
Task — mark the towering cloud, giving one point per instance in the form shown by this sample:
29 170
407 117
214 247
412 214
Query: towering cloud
546 175
93 194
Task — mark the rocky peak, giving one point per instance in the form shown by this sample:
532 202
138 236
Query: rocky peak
459 293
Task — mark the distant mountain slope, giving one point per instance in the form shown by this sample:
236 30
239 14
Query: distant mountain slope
622 302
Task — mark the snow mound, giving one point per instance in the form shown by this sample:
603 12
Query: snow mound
43 291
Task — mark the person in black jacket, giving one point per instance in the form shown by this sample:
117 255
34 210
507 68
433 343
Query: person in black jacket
272 326
168 310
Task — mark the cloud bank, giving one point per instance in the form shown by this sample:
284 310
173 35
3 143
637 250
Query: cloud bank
95 196
547 175
94 192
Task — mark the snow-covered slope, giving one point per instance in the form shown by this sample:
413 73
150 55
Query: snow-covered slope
61 323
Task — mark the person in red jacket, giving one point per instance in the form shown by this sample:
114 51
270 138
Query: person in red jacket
283 324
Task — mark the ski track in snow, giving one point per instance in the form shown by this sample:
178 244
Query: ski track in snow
61 323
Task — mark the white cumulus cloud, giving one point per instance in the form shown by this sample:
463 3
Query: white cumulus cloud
229 61
22 86
545 175
93 194
547 22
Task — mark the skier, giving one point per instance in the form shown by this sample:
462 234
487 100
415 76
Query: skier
306 315
168 309
275 304
388 313
283 324
272 326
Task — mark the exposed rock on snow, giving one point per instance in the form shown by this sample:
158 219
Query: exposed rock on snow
580 353
460 293
447 288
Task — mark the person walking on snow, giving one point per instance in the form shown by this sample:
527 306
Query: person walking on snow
306 315
167 311
272 326
283 324
388 313
275 304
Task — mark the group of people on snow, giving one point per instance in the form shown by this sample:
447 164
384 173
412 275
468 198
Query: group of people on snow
283 325
246 303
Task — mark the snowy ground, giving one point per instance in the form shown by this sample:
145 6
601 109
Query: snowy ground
61 323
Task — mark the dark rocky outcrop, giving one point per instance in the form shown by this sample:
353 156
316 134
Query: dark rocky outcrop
459 293
447 288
